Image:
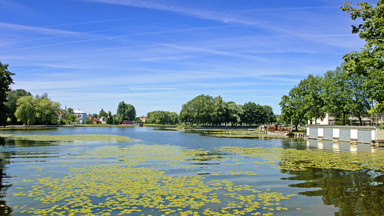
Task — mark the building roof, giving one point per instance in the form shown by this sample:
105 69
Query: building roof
78 111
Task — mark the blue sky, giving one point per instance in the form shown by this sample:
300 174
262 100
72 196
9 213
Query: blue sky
159 54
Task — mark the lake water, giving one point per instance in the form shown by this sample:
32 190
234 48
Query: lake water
177 173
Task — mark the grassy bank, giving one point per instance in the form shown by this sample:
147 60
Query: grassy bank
227 132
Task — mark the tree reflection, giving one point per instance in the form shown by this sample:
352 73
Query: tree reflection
4 184
353 192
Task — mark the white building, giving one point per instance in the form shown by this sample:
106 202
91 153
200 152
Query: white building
82 116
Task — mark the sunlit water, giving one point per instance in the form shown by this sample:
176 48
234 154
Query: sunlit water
176 173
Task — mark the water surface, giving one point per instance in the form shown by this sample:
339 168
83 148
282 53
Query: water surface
176 173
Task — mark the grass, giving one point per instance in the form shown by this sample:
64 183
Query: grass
69 138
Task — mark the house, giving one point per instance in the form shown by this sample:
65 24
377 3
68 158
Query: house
80 115
143 119
330 119
103 120
95 120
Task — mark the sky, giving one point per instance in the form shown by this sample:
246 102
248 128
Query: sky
159 54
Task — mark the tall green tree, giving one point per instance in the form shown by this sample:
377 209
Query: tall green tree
102 113
235 111
162 117
369 62
220 111
67 116
5 81
26 110
345 93
198 110
292 108
47 111
313 102
125 112
12 97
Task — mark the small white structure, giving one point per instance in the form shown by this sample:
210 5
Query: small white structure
103 120
82 116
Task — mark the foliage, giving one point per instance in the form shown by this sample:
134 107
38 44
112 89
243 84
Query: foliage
369 62
235 112
47 110
303 102
102 113
26 110
5 81
207 110
125 112
110 118
68 117
198 110
40 110
162 117
344 94
12 97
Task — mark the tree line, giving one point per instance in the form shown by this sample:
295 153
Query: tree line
213 111
21 107
356 88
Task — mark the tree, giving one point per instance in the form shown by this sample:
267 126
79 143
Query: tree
198 110
12 97
5 81
313 103
220 111
110 119
344 93
125 112
102 113
67 116
270 117
292 110
47 110
26 110
235 112
369 62
162 117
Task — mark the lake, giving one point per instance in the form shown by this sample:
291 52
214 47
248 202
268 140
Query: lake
175 173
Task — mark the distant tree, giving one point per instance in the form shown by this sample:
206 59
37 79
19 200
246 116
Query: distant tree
125 112
110 119
198 110
257 114
270 117
219 111
26 110
292 108
102 113
12 97
5 81
162 117
67 116
235 112
47 110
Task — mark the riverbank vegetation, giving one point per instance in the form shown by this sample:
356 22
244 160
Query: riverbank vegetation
355 88
213 111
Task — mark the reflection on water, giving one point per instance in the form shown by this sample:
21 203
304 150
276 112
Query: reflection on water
4 180
353 193
238 171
